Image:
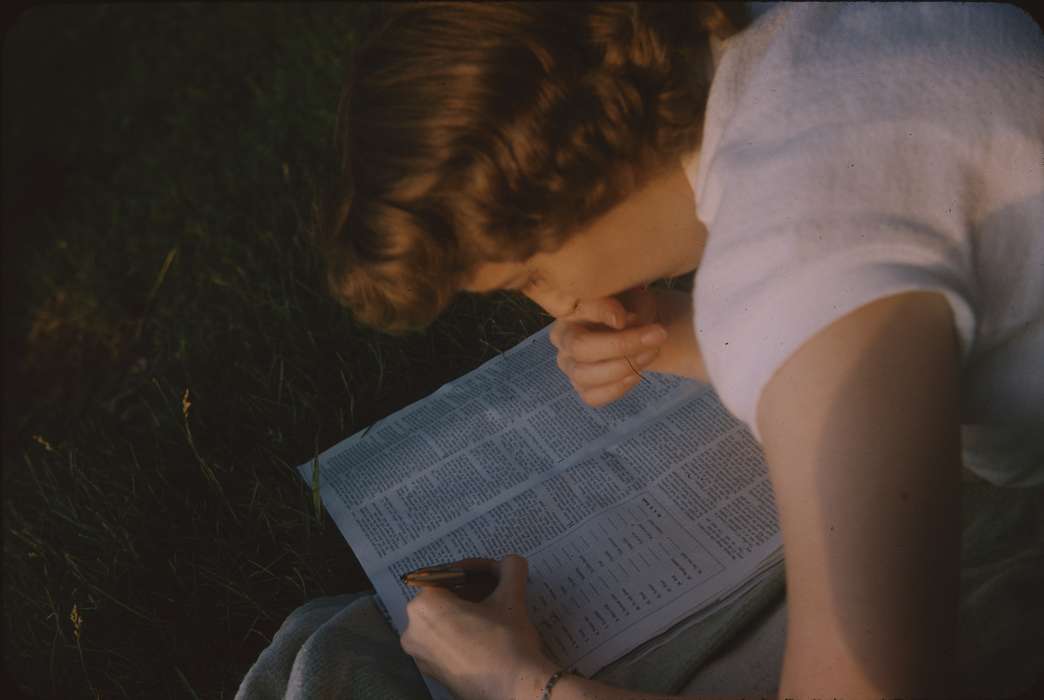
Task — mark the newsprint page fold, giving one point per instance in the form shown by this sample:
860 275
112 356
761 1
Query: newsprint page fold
635 517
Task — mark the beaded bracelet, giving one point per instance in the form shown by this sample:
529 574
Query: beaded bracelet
546 695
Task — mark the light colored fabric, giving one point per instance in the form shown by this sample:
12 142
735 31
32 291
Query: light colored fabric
334 648
850 153
855 151
1001 650
342 647
667 662
1005 455
751 666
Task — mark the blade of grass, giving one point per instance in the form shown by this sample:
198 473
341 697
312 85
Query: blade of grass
185 682
317 501
167 262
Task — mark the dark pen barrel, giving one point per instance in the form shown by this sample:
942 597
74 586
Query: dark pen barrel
435 578
467 583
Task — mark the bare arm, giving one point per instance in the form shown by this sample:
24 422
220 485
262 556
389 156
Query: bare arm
861 432
570 687
862 435
680 354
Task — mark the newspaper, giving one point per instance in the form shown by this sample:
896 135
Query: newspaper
634 517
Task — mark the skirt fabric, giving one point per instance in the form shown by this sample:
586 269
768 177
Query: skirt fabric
341 647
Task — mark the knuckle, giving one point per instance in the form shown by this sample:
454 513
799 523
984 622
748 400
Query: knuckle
569 344
406 642
637 350
555 335
574 371
422 603
592 399
588 377
586 347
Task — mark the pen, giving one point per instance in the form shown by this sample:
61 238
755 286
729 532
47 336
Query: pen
448 577
435 576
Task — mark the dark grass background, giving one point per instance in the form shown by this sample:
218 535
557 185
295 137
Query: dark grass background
161 164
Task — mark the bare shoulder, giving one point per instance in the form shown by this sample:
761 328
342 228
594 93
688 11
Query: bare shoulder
861 431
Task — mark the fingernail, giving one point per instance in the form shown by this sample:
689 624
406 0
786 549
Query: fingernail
654 336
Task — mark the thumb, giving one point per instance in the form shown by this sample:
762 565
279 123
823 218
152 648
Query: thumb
511 587
608 311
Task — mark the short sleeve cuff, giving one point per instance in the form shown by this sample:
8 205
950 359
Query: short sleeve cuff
771 320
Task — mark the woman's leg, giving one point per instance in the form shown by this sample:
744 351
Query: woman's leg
336 647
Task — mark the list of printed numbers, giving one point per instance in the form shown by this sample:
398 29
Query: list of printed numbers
577 593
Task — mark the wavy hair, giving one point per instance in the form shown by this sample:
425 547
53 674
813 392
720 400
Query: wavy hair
481 132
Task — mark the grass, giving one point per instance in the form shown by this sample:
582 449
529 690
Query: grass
170 356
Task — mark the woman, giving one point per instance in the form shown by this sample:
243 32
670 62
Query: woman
859 191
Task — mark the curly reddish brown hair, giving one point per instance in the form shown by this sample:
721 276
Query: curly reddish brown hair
488 132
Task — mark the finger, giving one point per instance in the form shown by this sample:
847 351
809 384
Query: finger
555 334
488 566
595 346
606 311
431 598
591 375
406 642
511 590
481 583
636 306
432 604
472 564
605 395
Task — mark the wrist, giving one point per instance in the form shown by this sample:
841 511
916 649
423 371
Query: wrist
529 679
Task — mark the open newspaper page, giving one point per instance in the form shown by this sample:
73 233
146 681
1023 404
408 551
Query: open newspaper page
633 516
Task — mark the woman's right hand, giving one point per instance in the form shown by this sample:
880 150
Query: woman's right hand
597 340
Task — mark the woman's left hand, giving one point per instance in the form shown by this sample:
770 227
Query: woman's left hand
479 650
